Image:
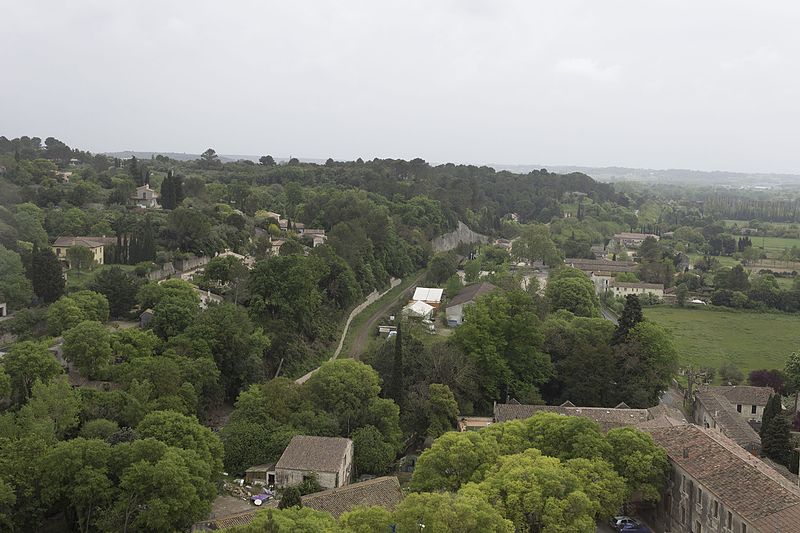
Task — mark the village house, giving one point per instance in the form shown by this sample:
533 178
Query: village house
3 309
379 492
145 317
145 197
454 312
329 458
623 289
748 401
716 486
94 244
632 240
317 236
712 410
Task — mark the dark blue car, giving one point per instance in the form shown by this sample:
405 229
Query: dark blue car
635 527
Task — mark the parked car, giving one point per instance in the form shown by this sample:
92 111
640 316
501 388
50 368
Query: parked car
635 527
264 497
618 522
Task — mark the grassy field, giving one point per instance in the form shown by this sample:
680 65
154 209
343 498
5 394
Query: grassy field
710 337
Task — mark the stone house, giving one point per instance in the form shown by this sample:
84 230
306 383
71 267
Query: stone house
632 240
330 458
96 245
749 401
715 486
623 289
711 410
145 197
3 309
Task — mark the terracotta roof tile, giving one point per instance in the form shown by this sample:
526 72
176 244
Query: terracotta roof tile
741 481
606 417
317 454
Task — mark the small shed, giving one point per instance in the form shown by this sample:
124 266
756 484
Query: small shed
263 474
3 309
145 318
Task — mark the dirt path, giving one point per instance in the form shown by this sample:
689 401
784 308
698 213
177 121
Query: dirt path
363 335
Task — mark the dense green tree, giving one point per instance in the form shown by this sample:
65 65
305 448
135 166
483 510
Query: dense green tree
237 346
456 458
88 346
371 453
631 316
501 334
639 460
777 441
27 362
132 343
175 429
119 288
29 221
5 386
53 406
645 364
98 428
535 244
467 512
68 311
15 288
442 410
367 520
247 444
441 267
570 289
537 493
46 275
792 371
77 474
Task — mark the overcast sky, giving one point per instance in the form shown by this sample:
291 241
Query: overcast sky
711 84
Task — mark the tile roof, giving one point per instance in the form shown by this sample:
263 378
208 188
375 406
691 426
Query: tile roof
382 491
745 394
88 242
470 292
637 285
316 454
606 417
728 420
601 265
742 482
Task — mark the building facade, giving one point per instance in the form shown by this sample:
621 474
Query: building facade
330 459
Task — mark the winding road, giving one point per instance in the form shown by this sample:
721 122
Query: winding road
363 334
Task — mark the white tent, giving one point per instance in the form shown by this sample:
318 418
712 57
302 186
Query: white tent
418 309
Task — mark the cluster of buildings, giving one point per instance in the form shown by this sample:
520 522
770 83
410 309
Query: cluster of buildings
717 483
330 461
427 301
603 274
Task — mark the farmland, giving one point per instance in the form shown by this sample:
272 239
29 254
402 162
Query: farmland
712 337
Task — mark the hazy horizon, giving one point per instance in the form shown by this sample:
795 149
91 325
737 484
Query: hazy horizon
656 85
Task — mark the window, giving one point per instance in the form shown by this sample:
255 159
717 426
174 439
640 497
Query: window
738 407
753 409
697 527
58 251
716 509
729 520
683 514
744 528
699 498
683 482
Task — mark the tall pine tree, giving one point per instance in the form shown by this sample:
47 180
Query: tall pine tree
396 386
46 275
772 409
631 316
777 441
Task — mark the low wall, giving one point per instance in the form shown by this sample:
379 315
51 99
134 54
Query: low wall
373 297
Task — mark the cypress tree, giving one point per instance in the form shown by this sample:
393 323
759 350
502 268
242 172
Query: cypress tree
396 386
168 192
631 316
777 441
47 277
772 409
